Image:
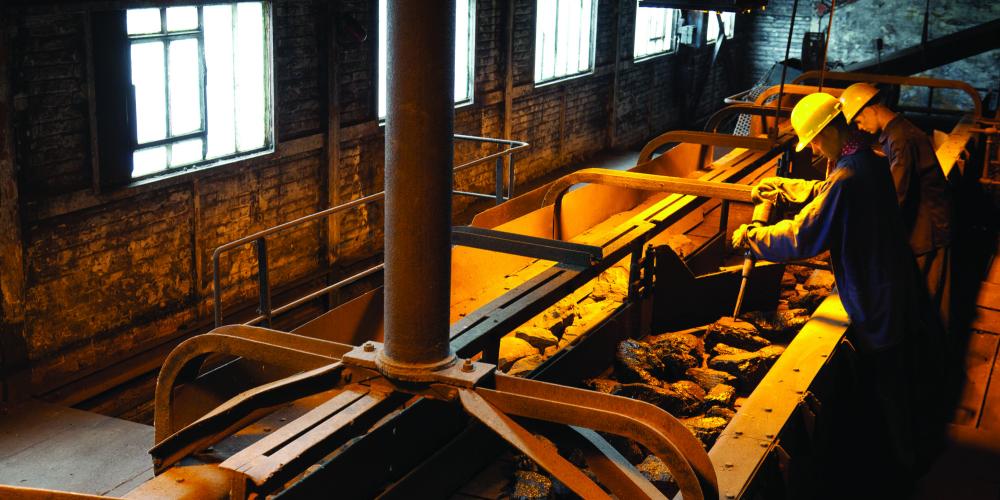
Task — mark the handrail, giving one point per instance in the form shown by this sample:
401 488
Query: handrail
913 81
498 176
265 310
637 180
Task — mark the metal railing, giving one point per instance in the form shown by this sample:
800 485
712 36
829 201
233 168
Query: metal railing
511 147
265 310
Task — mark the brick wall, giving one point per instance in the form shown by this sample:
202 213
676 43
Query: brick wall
108 274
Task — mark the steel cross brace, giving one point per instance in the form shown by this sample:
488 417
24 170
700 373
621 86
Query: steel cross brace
367 397
493 398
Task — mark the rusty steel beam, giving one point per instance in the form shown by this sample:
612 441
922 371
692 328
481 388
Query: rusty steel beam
636 180
258 344
642 422
418 176
743 447
541 452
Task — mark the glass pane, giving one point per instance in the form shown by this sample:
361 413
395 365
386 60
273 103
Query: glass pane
545 39
249 65
185 152
182 18
140 21
220 99
585 23
185 87
463 46
383 54
148 161
150 95
713 27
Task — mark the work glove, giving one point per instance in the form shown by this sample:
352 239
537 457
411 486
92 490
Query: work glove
741 235
769 188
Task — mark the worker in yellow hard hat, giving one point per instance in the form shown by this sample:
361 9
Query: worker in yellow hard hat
853 214
922 191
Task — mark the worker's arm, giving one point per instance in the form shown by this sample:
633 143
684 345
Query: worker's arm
784 190
901 157
807 234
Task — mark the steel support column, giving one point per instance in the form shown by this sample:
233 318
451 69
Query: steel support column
418 181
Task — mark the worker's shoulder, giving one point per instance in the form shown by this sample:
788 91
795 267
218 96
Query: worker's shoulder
899 129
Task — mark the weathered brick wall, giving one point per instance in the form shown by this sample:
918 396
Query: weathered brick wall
109 274
898 23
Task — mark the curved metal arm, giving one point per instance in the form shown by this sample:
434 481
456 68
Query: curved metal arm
647 424
706 139
712 125
272 347
915 81
635 180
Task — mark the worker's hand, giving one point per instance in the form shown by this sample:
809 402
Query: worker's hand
742 234
769 189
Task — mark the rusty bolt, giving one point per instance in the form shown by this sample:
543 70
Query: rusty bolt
729 465
768 410
369 347
763 445
467 366
795 369
730 495
738 433
769 436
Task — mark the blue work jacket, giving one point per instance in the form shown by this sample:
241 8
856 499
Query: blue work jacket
854 215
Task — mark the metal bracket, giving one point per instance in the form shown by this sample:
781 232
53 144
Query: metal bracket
464 374
575 254
809 407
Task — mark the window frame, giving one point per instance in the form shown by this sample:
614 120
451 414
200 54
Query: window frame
595 6
727 31
381 81
115 125
674 44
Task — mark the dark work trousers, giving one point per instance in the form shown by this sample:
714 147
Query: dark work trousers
935 266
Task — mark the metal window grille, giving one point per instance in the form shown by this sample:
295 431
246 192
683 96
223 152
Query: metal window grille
564 38
200 84
655 30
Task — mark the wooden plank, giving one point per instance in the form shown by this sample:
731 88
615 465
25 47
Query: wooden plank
47 446
965 469
989 296
990 416
993 276
987 320
979 358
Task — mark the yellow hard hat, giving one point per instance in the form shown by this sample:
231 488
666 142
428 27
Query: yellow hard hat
856 97
811 114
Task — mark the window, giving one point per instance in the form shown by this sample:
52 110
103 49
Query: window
200 84
465 42
654 30
712 29
564 38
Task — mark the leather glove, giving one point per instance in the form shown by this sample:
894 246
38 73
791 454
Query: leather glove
742 234
769 188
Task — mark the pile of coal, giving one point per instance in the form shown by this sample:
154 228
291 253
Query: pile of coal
528 346
699 375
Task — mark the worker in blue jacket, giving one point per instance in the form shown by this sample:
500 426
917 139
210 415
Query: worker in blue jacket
853 214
